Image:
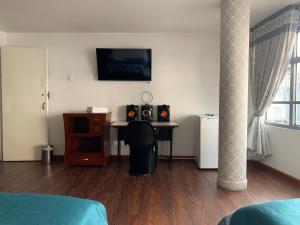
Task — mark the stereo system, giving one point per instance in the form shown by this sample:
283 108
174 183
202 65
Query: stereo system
147 112
163 113
132 112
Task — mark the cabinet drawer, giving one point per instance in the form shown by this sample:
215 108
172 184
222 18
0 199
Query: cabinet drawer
98 120
96 130
86 159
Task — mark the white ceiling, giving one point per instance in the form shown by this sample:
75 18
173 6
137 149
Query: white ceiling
121 16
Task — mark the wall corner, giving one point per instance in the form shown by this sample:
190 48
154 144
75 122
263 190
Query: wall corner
3 39
3 42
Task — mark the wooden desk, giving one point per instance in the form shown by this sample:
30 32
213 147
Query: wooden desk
164 133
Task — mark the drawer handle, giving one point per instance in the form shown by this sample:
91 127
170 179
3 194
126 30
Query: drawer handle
96 130
85 159
96 119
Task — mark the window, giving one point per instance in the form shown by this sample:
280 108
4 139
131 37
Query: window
285 109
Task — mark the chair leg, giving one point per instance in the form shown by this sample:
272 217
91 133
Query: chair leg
156 154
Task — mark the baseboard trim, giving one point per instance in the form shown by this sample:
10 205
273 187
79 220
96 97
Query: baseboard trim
164 157
126 157
177 157
123 157
277 172
58 158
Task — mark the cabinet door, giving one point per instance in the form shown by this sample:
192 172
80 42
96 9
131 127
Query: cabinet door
24 102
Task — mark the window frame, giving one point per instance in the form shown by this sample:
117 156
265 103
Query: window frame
292 102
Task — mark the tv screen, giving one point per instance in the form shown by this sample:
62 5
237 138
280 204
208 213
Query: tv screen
124 64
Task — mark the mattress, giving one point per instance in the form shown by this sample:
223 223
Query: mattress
38 209
281 212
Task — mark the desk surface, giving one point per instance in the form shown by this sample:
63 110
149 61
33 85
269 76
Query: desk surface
117 124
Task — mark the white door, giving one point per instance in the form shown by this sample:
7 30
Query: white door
24 102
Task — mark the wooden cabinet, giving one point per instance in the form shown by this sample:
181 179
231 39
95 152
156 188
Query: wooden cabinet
87 139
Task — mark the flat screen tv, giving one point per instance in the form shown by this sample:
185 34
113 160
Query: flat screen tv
124 64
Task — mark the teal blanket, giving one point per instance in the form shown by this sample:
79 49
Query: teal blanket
37 209
282 212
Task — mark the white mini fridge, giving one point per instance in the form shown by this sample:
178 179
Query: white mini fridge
207 142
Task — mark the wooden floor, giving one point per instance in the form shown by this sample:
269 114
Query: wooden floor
183 195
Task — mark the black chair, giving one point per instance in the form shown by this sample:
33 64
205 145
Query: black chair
141 138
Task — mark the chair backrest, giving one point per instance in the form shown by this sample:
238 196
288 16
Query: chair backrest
140 133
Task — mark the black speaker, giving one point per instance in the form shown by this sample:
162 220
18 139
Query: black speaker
163 113
147 112
132 112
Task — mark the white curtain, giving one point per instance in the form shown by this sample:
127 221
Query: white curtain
271 47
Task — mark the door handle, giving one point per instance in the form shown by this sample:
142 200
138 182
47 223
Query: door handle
44 106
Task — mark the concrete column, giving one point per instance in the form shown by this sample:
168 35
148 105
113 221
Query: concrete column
235 17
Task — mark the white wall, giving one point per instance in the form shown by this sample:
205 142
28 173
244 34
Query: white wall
185 75
285 150
2 38
2 43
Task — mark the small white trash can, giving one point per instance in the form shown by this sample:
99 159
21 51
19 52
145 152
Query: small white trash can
47 154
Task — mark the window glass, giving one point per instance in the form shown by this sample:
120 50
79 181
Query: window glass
283 93
298 114
298 44
298 83
279 113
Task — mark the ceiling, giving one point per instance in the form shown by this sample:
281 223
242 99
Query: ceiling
121 16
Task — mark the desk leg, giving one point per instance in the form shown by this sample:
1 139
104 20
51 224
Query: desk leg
119 148
171 148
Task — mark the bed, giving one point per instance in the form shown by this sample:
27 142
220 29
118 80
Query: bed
38 209
281 212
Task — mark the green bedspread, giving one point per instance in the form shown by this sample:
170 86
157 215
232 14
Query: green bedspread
282 212
37 209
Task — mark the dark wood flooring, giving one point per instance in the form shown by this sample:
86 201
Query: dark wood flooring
183 195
